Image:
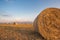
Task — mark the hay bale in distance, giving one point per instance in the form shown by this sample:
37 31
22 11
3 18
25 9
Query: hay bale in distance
48 23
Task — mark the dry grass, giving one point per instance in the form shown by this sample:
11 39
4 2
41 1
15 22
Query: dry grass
15 32
27 26
18 25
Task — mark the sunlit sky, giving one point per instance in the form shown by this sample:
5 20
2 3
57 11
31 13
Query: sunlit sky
24 10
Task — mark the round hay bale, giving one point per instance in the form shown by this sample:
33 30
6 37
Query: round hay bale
47 23
35 25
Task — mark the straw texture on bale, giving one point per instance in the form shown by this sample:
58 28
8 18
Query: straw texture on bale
47 23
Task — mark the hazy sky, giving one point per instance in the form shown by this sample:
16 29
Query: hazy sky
24 10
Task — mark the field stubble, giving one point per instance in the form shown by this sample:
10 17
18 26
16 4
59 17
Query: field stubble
18 32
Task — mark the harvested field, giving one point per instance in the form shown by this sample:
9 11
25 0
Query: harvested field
15 33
